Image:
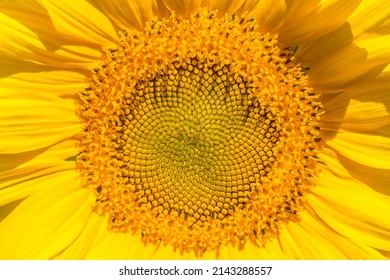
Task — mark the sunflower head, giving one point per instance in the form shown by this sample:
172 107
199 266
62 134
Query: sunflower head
206 131
182 129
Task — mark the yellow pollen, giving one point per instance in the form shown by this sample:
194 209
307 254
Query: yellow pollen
198 134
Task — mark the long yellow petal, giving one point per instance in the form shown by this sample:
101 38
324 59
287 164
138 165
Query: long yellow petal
183 8
11 65
20 42
96 242
78 19
63 151
229 6
32 121
26 173
131 14
350 64
351 225
54 83
375 178
88 238
17 40
312 239
306 21
368 15
269 14
370 149
70 56
5 210
351 208
325 45
361 108
45 223
24 182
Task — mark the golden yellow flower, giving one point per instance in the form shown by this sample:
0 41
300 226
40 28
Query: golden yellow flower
167 129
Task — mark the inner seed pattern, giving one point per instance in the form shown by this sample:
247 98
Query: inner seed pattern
199 133
193 140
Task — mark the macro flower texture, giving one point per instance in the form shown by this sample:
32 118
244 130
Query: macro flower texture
204 129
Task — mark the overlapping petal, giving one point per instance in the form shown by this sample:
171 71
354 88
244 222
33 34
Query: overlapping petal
48 221
78 19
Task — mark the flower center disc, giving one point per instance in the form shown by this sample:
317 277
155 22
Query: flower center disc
199 133
191 141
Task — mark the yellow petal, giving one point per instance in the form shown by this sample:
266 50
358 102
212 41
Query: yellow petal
361 108
76 56
369 14
269 14
249 7
350 64
110 245
183 8
54 83
88 238
45 223
17 40
21 183
370 149
116 246
26 173
230 7
34 17
312 239
12 65
32 121
325 45
376 46
64 150
96 242
382 27
81 20
5 210
355 227
131 14
308 20
350 207
376 179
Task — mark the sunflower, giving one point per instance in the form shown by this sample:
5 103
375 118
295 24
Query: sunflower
166 129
